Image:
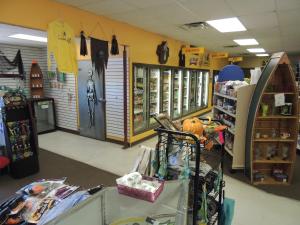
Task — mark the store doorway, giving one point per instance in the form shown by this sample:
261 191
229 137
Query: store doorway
92 103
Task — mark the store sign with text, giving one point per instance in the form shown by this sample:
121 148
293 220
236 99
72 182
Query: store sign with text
219 55
196 57
193 50
235 59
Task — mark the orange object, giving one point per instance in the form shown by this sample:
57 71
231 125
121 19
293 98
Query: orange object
193 126
13 221
209 145
220 128
36 189
34 61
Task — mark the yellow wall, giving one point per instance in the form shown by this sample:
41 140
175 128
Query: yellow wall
37 14
252 62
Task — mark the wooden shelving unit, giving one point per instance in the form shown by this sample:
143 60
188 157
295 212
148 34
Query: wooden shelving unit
238 119
36 81
274 153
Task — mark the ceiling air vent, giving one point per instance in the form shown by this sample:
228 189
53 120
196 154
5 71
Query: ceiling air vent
194 26
230 46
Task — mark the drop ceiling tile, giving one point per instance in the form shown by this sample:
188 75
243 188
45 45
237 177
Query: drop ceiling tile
291 44
289 17
137 18
260 20
249 7
77 2
265 33
287 4
207 33
149 3
174 14
208 9
108 7
290 31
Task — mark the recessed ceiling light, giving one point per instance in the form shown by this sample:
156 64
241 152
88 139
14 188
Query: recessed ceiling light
227 25
248 41
256 50
262 55
29 37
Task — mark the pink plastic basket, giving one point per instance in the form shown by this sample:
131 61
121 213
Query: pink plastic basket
140 194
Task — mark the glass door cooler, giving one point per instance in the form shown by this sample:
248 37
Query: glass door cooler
177 94
185 92
154 94
205 88
166 91
199 89
193 90
140 99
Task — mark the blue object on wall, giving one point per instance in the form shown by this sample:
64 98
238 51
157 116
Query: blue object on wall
231 72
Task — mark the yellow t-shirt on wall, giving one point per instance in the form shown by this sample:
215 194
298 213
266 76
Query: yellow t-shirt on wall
61 43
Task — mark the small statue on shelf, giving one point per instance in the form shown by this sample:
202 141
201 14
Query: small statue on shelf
265 109
257 153
271 151
285 152
274 133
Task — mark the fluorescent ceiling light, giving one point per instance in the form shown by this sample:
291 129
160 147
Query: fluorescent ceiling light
262 55
29 37
249 41
256 50
227 25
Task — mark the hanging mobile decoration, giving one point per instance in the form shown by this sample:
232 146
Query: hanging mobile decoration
114 46
162 52
181 58
83 47
99 55
7 65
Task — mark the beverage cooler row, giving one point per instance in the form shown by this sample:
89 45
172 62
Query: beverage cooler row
174 91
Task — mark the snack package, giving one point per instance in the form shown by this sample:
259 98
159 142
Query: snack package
64 191
41 188
44 206
14 219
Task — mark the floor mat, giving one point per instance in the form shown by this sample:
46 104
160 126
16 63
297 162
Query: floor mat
57 166
292 191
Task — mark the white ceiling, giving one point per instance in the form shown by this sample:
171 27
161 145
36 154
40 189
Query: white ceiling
273 23
7 30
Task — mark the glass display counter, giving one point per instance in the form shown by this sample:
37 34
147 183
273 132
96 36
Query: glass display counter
108 207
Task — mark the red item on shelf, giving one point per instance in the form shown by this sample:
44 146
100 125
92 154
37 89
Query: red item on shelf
4 162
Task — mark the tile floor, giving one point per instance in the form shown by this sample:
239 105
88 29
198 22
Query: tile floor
253 206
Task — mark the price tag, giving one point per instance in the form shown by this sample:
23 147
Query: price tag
279 99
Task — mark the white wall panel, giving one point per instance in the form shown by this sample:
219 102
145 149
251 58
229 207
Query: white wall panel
65 99
115 96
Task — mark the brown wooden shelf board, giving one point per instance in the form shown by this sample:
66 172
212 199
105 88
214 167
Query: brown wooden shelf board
273 93
273 161
270 181
276 117
273 140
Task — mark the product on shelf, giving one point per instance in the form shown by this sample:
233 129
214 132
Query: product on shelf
19 136
258 176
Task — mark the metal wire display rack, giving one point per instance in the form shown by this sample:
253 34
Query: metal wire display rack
198 166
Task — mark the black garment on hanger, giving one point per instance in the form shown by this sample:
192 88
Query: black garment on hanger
99 55
83 47
114 46
162 52
7 65
181 58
